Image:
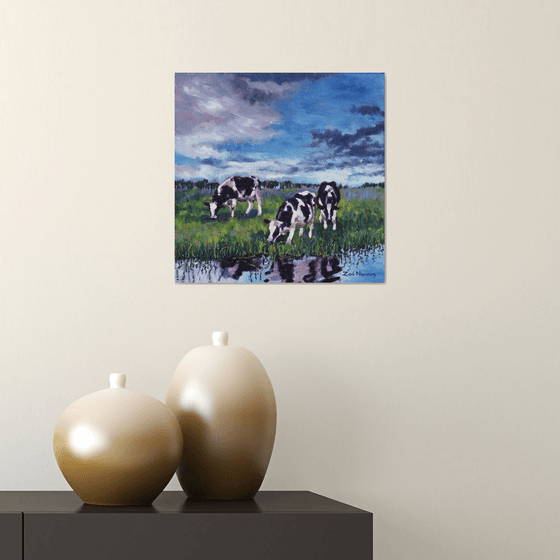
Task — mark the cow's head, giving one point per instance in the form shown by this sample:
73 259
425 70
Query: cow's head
275 230
213 205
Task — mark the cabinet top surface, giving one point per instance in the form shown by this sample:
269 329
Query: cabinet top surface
176 502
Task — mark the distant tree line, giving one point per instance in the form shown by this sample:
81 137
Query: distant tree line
182 184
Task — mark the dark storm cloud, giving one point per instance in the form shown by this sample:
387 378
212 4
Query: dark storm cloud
256 88
316 164
250 94
340 141
368 110
360 148
210 161
282 78
367 151
244 159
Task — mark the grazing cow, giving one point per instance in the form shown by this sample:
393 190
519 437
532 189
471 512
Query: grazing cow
328 198
297 211
233 190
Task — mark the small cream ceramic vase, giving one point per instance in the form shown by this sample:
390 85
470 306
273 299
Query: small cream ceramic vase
225 405
117 447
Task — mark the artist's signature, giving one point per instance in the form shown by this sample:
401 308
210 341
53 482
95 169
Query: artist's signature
358 273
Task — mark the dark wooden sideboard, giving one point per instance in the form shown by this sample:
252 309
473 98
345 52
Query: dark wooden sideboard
274 526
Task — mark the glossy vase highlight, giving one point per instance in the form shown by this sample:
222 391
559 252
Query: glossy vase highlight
225 405
117 447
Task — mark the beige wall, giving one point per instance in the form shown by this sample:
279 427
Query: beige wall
433 400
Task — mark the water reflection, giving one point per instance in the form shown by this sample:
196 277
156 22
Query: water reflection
364 266
314 269
235 268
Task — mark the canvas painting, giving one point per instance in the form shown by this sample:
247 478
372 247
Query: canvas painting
280 178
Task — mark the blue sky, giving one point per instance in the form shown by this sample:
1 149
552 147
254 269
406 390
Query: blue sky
303 127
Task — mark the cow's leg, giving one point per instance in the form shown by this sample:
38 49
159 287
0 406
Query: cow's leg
311 224
249 206
301 230
233 204
291 236
324 216
259 203
334 220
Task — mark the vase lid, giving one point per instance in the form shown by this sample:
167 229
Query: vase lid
220 338
117 380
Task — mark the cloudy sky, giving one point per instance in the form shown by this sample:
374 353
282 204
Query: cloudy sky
303 127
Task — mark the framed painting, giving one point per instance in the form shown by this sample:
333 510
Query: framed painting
279 178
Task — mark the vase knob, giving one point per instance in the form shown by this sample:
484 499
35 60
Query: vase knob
117 380
220 338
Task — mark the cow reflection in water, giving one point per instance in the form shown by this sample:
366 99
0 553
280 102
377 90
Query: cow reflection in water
316 269
234 268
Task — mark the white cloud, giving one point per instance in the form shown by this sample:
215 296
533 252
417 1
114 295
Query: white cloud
264 168
211 110
278 90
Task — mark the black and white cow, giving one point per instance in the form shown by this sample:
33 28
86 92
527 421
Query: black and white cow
328 199
233 190
295 212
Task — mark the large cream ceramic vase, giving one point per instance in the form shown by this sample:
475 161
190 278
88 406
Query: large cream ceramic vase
225 405
117 447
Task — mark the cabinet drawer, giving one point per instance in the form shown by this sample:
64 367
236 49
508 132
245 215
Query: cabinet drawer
11 527
197 536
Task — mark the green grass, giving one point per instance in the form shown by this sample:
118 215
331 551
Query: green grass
361 225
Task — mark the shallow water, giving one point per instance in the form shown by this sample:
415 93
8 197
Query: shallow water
349 267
